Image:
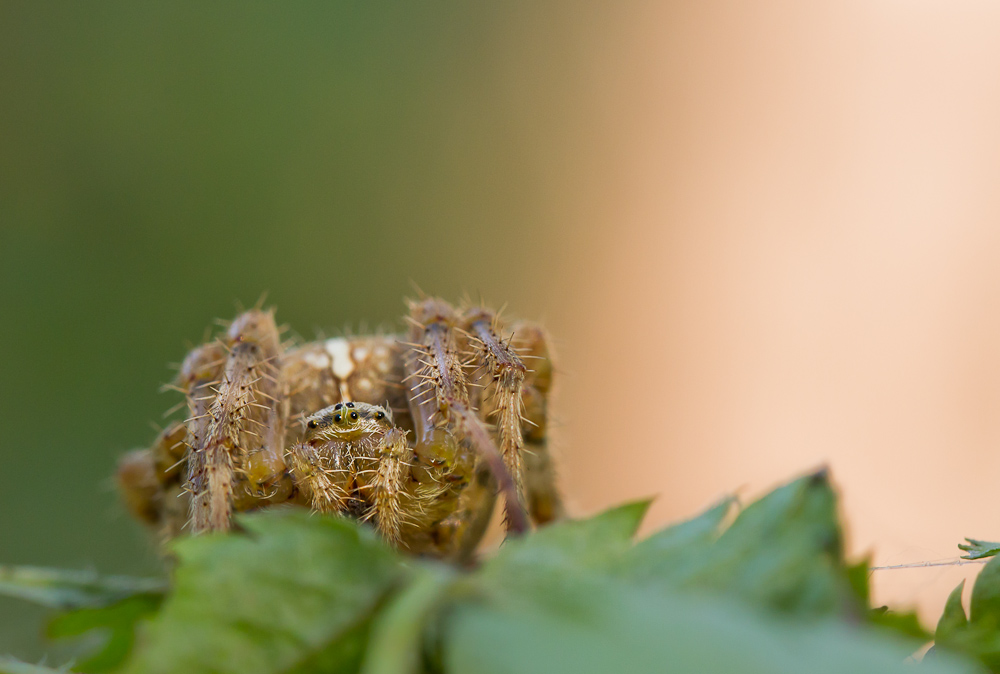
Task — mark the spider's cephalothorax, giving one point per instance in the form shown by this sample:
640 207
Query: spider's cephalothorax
415 433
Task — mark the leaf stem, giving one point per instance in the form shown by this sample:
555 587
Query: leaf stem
394 645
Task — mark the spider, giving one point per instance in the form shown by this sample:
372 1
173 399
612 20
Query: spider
415 433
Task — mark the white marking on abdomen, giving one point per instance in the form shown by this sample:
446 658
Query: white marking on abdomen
320 361
341 363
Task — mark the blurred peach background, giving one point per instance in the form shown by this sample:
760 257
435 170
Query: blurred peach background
797 265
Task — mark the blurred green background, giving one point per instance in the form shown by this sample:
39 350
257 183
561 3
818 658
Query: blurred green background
160 162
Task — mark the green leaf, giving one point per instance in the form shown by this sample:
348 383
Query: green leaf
579 548
673 551
117 622
985 605
858 577
784 551
574 546
397 634
63 589
906 623
953 620
979 549
979 634
298 593
12 666
295 593
595 627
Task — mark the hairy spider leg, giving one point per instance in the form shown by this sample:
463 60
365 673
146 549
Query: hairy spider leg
169 453
504 371
545 503
198 377
139 487
388 485
316 478
439 397
244 403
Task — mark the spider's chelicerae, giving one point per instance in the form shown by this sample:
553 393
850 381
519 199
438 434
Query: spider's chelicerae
415 433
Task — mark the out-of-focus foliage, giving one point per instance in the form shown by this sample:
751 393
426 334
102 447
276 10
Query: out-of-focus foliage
73 589
13 666
765 589
978 633
979 549
294 593
110 605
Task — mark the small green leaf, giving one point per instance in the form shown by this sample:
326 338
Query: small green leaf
979 634
985 605
953 618
117 621
859 576
784 551
578 548
12 666
573 546
906 623
294 593
63 589
979 549
675 548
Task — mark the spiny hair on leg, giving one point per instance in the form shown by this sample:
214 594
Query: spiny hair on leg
315 478
507 372
388 485
245 395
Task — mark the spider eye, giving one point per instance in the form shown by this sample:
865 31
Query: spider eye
336 417
354 415
338 406
350 405
312 423
380 415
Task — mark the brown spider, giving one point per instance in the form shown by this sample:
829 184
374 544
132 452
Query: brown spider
389 429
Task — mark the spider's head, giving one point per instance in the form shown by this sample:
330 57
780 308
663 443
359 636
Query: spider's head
349 421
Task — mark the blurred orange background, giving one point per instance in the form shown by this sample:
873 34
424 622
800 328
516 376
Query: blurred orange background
799 217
